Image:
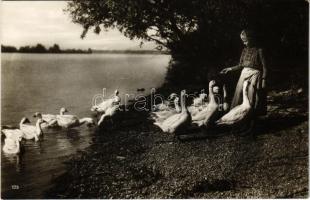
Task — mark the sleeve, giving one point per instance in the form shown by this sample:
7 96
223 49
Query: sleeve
239 66
263 62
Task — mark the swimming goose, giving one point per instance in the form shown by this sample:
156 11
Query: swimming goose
203 117
30 131
12 133
176 121
238 113
70 121
12 140
51 120
11 146
106 104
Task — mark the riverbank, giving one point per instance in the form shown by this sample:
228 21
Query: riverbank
134 159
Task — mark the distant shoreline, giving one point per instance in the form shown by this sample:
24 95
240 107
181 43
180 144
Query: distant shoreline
55 49
100 52
129 52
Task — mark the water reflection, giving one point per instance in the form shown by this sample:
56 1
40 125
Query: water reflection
14 160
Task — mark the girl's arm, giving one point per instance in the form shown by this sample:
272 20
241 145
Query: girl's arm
263 61
236 67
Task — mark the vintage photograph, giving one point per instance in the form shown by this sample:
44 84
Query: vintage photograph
154 99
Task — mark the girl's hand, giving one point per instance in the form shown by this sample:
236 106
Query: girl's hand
225 70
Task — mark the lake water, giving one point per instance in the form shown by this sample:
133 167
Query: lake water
47 82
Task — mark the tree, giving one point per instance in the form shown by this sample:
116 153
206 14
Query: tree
8 49
39 49
202 35
25 49
54 49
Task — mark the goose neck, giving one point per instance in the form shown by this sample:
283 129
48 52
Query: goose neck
245 94
38 127
211 95
183 101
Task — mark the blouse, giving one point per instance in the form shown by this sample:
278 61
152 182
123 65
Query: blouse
252 57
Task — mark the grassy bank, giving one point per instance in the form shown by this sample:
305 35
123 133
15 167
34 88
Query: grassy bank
134 159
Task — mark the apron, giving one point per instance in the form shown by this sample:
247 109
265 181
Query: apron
256 95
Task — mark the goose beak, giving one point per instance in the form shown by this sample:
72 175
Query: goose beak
36 114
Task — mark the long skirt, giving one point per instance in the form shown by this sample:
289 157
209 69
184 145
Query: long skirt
256 95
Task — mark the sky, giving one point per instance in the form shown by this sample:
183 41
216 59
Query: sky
31 22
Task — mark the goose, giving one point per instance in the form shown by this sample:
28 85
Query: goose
165 105
70 121
160 116
199 104
225 104
51 120
200 100
176 121
194 110
238 113
12 133
204 116
30 131
111 111
103 106
11 146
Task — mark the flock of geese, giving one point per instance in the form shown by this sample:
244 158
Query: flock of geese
204 111
168 118
14 135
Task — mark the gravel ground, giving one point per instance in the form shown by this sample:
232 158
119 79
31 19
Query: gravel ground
134 159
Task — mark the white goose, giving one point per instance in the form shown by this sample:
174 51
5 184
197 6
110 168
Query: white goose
70 121
199 104
13 133
225 104
164 105
238 113
160 116
201 99
103 106
50 119
12 140
30 131
11 146
111 111
176 121
204 116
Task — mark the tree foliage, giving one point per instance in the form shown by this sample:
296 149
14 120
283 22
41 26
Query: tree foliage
202 34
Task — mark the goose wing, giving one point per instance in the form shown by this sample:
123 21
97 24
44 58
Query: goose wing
235 115
182 120
48 117
29 131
